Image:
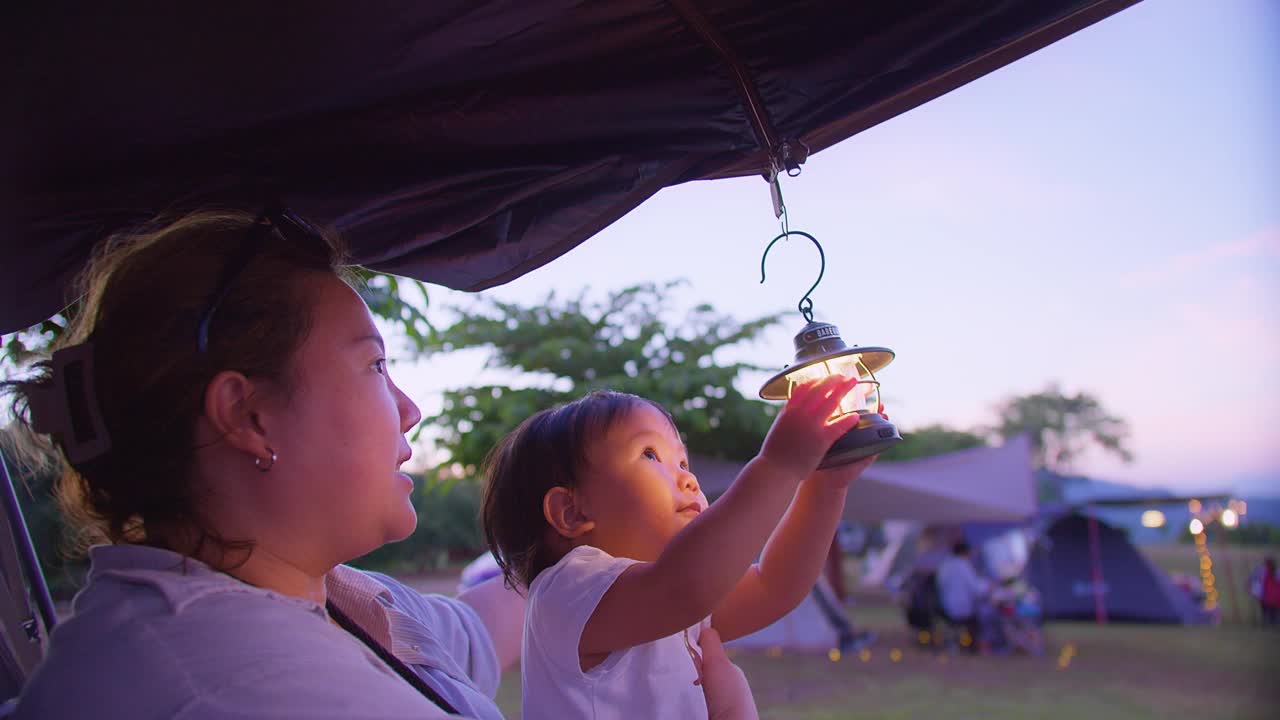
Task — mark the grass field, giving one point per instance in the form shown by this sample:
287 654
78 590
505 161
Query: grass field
1113 671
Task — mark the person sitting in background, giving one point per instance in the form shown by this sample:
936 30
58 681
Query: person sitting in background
1017 615
1256 578
962 591
1270 593
918 591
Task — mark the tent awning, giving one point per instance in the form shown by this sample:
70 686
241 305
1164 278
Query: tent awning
981 484
459 143
984 484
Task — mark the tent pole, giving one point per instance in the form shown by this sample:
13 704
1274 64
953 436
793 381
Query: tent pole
26 549
1095 562
835 569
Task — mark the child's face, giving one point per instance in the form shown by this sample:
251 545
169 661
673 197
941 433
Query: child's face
637 486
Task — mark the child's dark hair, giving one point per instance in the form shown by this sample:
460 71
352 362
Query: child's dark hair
547 450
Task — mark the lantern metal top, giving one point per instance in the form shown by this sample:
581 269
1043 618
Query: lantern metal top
816 342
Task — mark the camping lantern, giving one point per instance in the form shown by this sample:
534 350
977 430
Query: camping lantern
821 352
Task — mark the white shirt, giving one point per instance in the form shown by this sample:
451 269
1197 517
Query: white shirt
653 680
155 635
441 638
960 587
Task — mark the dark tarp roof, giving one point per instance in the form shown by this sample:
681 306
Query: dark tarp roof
460 142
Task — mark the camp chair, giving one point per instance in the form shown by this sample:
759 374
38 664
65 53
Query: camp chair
24 630
926 612
955 634
921 595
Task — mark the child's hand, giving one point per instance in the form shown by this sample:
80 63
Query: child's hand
803 432
728 694
840 476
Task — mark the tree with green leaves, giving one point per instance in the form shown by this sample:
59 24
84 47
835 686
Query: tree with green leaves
567 347
558 350
1062 426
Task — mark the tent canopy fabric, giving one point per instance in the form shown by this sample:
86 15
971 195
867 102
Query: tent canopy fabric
983 484
459 143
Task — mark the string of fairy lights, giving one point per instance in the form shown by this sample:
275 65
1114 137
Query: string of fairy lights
1201 517
1206 568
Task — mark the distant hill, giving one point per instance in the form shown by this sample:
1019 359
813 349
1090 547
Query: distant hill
1262 509
1078 489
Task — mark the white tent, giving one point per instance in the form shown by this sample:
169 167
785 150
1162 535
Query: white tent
809 627
879 563
982 484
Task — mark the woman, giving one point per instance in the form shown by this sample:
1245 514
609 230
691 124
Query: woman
230 431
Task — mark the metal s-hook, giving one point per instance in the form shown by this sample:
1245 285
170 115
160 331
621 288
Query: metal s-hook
806 304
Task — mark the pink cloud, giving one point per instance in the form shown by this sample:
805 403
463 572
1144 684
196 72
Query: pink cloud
1263 244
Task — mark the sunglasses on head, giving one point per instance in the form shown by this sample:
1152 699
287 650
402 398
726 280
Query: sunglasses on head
284 223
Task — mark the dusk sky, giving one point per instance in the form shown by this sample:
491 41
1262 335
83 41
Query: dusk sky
1102 214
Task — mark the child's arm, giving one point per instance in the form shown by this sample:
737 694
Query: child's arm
793 558
707 559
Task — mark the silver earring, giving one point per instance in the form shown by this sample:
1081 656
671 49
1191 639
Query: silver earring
265 467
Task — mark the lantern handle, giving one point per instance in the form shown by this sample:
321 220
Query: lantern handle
806 304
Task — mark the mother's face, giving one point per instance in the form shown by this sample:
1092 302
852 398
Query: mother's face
340 436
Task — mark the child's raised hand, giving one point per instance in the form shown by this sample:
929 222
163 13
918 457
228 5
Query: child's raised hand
841 475
803 431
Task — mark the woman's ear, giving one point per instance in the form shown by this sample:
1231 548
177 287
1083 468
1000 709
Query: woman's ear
565 514
229 407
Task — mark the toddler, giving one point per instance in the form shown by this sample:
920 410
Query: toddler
592 509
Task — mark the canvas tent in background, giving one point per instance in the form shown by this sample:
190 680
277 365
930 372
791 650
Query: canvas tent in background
817 624
1132 589
1107 581
977 485
986 484
982 484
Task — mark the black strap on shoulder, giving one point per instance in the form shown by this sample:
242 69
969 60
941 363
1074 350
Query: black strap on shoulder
392 661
